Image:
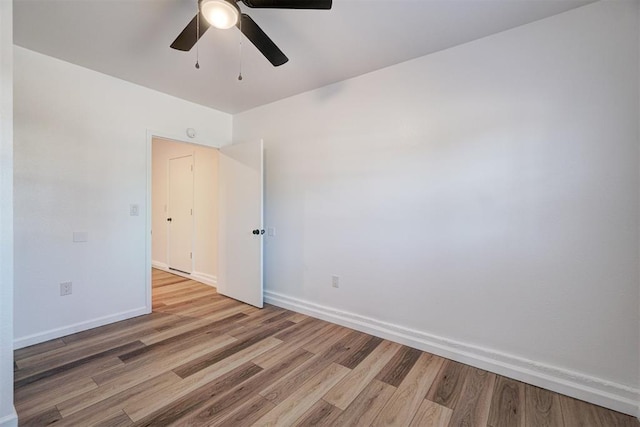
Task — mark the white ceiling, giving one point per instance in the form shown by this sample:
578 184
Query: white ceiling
130 39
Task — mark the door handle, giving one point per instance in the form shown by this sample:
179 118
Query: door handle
169 219
258 231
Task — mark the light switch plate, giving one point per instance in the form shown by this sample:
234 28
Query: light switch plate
134 210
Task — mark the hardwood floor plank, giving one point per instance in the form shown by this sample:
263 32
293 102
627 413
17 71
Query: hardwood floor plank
320 414
179 290
298 317
50 385
281 389
119 419
203 362
447 387
141 409
361 375
399 366
180 326
367 405
247 413
323 343
358 352
158 283
542 408
299 402
37 349
118 329
200 332
186 308
612 418
27 377
94 413
267 312
188 297
403 405
63 391
431 414
475 401
136 375
302 328
344 347
148 365
577 413
42 418
285 386
256 332
77 350
508 403
193 400
274 356
218 407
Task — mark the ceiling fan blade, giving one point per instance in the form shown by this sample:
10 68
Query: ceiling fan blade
187 38
262 41
289 4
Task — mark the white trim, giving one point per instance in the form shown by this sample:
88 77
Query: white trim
10 420
637 414
148 226
605 393
207 279
77 327
160 266
204 278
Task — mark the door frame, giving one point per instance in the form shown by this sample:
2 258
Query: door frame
148 219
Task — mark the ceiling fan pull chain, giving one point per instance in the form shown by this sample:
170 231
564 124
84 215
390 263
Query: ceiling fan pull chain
197 36
240 49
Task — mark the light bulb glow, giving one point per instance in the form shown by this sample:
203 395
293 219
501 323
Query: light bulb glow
219 13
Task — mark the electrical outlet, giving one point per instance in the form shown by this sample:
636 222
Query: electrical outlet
335 281
66 288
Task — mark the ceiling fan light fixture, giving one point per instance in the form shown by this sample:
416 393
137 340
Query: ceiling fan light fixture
219 13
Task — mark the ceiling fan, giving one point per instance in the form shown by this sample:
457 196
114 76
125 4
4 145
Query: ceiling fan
225 14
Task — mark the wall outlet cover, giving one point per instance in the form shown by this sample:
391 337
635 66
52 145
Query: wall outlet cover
80 236
66 288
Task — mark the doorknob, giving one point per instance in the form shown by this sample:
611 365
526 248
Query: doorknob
169 219
258 231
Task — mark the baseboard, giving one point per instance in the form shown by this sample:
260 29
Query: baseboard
160 265
601 392
203 278
77 327
10 420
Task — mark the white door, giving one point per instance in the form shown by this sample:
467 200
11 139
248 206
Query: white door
180 214
240 228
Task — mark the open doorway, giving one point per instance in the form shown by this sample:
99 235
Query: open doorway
226 217
184 209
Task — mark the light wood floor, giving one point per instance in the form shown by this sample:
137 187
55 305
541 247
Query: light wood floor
203 359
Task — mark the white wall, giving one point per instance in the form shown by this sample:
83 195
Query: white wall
205 245
480 202
80 160
7 412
